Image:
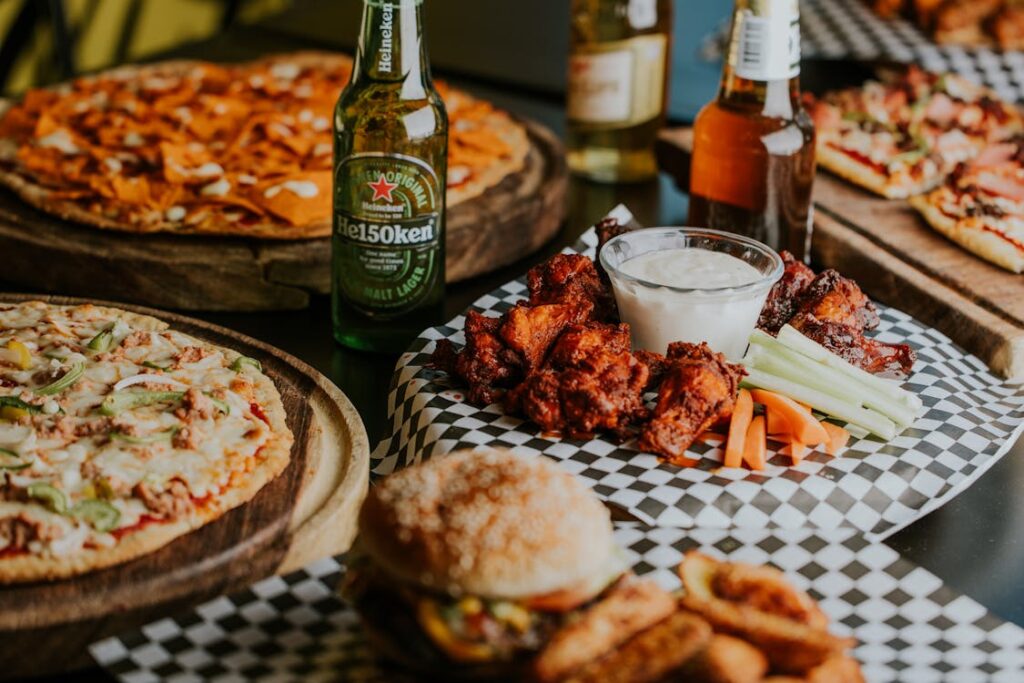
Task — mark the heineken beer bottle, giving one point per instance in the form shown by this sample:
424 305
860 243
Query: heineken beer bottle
390 164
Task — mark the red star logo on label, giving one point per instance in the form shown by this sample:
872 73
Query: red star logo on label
382 189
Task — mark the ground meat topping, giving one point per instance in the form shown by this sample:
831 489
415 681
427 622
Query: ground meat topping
175 501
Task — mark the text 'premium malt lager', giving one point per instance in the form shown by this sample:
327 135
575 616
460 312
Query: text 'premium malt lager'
390 164
753 146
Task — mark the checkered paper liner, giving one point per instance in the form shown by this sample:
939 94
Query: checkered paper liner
848 29
879 487
909 626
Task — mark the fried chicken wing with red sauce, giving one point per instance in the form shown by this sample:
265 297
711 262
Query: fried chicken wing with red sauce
602 392
580 342
697 390
499 352
486 363
571 279
833 298
531 330
876 357
590 382
784 297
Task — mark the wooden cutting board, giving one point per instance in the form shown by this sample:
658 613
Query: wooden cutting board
506 223
889 250
307 513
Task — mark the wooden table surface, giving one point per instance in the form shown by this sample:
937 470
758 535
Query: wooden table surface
974 543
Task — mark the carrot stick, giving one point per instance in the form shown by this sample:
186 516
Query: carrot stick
741 417
755 448
804 427
776 423
837 438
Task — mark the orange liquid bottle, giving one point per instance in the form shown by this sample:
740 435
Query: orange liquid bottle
753 150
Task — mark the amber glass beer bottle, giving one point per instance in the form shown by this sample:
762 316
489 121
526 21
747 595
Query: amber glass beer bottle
753 147
618 71
390 166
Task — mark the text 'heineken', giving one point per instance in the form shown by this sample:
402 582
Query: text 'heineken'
390 166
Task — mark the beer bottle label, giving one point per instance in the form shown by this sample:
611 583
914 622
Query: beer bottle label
387 232
766 41
618 84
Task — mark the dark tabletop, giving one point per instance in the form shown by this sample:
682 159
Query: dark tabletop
973 543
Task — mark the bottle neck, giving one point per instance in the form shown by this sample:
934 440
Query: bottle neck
391 46
762 68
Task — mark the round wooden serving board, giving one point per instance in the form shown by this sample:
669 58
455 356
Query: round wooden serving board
505 223
308 512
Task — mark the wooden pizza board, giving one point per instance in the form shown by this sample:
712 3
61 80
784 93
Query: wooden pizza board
504 224
892 253
306 513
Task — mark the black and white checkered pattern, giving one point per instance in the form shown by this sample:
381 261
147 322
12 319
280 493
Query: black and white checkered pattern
878 487
910 627
848 29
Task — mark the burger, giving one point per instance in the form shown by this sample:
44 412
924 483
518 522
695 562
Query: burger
487 565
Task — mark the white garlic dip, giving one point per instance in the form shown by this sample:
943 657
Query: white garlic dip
718 308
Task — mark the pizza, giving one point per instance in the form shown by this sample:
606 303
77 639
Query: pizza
119 434
199 148
903 136
963 22
980 206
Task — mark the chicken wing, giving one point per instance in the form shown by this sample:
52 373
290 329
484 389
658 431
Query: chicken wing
604 393
571 279
784 297
698 388
486 363
833 298
876 357
531 330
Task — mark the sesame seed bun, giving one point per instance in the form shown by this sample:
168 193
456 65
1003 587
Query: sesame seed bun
488 523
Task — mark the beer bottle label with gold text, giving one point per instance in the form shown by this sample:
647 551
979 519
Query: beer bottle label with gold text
387 232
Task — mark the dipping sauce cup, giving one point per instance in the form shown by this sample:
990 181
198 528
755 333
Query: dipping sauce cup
720 300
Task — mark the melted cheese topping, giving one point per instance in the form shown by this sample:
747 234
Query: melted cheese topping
77 449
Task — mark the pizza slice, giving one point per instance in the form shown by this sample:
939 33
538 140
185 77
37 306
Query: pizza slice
902 136
981 205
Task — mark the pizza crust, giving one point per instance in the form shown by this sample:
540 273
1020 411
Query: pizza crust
849 169
987 245
275 456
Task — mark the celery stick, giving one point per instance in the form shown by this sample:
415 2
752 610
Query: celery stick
870 420
769 355
792 338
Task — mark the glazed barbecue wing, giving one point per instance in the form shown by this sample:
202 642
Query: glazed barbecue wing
833 298
876 357
784 298
833 311
698 388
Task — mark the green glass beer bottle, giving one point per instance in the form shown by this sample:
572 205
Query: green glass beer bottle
390 170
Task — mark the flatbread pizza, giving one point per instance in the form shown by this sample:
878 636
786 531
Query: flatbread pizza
980 206
902 136
119 434
198 148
